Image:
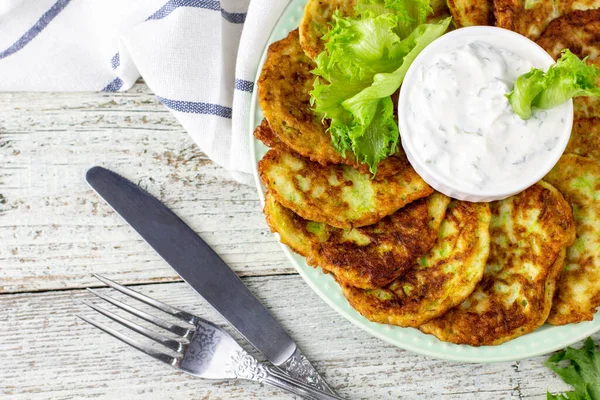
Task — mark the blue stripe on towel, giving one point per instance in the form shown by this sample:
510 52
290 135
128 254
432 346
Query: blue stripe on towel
244 86
115 61
196 108
114 86
234 18
36 28
171 5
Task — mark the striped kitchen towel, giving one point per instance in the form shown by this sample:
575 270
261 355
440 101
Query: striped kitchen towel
198 56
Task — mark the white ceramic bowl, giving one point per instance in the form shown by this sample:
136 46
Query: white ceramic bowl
522 47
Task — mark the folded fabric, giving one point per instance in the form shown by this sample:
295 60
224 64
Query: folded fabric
189 52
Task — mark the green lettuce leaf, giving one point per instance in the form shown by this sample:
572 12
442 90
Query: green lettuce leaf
380 138
411 13
527 87
365 59
364 104
583 372
569 77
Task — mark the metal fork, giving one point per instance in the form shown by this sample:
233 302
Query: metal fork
201 349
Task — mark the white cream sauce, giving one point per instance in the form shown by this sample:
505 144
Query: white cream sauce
462 125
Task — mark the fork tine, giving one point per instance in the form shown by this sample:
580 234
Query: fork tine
166 341
190 318
176 329
134 343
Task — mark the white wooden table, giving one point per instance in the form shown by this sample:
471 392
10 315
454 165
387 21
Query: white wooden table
55 232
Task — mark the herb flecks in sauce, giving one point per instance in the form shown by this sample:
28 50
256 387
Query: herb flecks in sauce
463 124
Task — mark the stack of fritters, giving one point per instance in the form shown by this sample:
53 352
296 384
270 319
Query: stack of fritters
573 25
284 95
469 273
529 234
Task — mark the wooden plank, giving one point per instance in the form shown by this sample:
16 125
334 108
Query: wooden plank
54 231
49 354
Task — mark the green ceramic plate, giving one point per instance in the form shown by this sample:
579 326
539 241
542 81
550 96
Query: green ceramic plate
544 340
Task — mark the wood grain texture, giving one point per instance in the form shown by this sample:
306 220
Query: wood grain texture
53 355
55 231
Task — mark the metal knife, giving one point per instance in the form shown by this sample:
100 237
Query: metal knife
205 272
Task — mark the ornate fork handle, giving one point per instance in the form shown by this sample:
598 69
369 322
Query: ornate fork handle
298 367
249 368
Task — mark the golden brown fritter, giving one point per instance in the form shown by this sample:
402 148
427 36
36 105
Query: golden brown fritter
337 195
316 22
265 134
442 278
578 290
578 31
531 18
366 257
528 21
374 255
284 96
585 138
388 167
298 234
471 12
586 107
529 233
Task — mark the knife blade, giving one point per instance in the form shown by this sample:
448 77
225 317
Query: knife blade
197 263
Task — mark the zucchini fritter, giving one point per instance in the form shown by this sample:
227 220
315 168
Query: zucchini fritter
388 167
264 133
578 31
284 96
316 23
586 107
529 234
471 12
531 18
367 257
585 138
442 278
337 195
578 290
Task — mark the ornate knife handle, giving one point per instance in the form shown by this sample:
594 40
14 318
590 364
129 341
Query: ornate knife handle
249 368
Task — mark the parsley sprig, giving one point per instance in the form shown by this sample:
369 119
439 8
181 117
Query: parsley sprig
582 372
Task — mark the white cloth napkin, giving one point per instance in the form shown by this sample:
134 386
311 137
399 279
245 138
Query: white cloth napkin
186 51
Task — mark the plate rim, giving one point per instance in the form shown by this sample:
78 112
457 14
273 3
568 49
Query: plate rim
352 315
